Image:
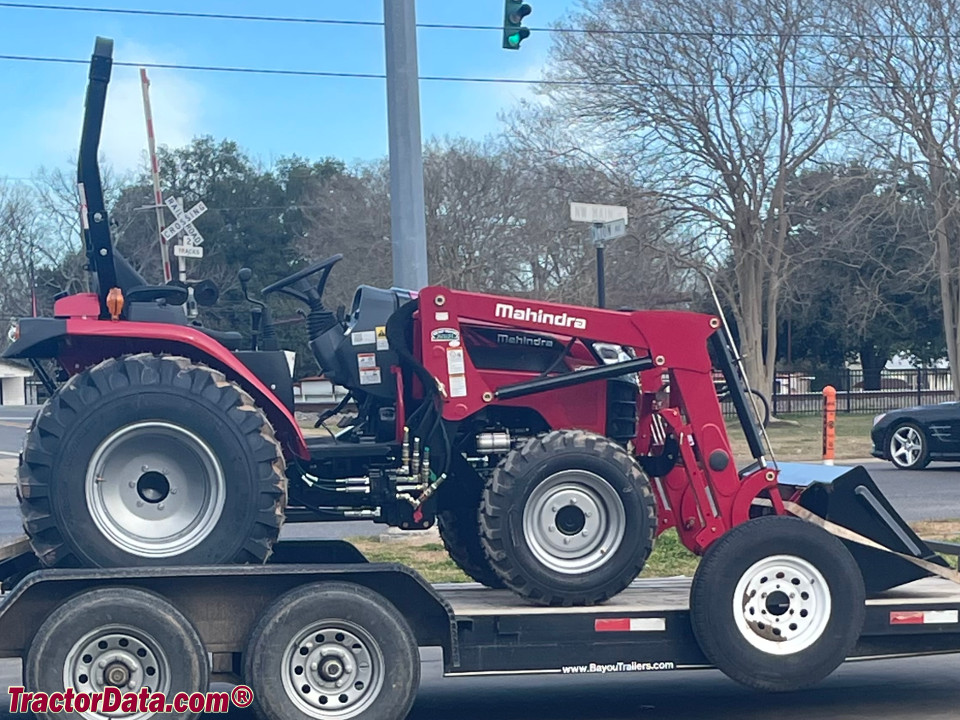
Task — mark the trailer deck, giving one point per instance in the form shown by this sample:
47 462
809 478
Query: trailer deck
490 632
647 627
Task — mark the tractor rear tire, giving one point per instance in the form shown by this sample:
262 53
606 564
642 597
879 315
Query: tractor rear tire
568 519
777 603
458 519
151 460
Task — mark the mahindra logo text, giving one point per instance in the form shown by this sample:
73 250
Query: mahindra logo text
528 314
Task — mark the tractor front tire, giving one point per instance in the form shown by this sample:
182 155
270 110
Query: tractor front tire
458 519
151 460
568 519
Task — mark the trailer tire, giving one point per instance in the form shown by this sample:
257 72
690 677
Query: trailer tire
151 460
143 639
579 488
807 618
318 635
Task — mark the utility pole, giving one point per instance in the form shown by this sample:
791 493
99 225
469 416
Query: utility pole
408 225
601 272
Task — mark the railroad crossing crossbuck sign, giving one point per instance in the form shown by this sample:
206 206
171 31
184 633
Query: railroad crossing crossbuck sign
183 223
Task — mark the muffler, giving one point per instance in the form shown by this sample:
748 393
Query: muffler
849 498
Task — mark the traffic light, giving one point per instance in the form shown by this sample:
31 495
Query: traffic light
513 31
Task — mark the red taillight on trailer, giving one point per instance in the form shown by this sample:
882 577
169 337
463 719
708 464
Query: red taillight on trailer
648 624
928 617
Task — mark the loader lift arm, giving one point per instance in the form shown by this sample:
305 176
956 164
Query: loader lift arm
701 493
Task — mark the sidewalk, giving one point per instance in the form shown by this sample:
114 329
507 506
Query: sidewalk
8 471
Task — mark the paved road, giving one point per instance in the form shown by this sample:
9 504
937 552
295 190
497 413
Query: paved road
931 494
913 689
13 423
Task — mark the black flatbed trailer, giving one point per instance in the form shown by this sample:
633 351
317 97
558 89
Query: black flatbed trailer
482 632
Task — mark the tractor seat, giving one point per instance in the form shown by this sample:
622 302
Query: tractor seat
230 339
169 294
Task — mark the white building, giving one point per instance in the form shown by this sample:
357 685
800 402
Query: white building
317 391
13 383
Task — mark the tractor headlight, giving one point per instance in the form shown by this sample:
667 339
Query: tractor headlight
878 418
13 334
610 353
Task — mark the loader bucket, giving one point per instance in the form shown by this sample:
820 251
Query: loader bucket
849 497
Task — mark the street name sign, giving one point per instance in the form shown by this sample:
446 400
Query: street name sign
591 213
605 232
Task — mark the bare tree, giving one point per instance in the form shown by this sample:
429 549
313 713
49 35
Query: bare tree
906 72
349 213
20 234
719 103
475 221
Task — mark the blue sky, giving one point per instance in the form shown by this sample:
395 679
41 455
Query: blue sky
40 113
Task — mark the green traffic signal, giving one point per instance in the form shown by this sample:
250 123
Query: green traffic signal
513 31
514 39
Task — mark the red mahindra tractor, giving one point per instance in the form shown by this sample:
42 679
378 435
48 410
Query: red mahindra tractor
536 435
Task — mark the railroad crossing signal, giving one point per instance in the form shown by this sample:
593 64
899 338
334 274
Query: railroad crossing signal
183 223
513 31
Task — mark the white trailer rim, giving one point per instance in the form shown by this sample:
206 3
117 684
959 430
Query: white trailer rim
782 605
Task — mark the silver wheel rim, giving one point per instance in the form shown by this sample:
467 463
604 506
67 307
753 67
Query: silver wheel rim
155 489
332 669
573 522
116 656
782 605
906 446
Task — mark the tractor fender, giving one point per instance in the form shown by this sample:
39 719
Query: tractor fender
79 343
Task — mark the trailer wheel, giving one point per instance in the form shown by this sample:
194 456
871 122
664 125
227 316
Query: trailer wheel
777 603
122 638
332 650
147 460
568 519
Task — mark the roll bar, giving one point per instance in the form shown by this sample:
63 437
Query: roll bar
94 220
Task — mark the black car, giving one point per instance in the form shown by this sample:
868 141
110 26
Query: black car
910 438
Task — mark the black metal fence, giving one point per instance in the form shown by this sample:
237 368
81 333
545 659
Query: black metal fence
859 392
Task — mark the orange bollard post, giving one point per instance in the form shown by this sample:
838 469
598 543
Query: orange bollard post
829 423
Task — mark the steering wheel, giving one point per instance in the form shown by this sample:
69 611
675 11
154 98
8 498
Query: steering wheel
310 295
